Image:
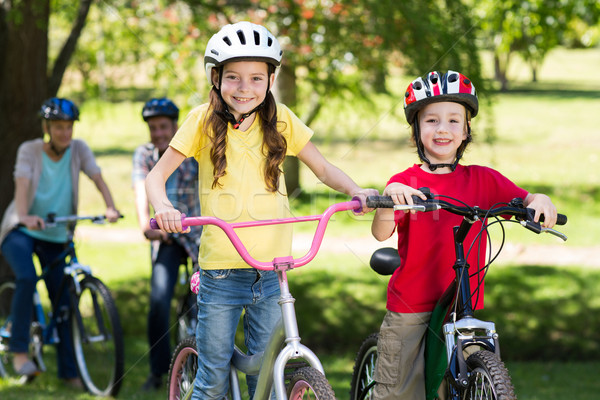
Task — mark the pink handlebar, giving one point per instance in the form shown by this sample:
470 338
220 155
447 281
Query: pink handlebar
291 262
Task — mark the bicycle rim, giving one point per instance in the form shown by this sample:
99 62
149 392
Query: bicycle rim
7 290
182 370
98 339
364 369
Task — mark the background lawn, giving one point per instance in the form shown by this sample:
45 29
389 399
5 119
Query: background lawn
547 138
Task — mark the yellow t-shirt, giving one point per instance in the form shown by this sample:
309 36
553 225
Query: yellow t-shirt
243 195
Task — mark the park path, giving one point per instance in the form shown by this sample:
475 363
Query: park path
362 247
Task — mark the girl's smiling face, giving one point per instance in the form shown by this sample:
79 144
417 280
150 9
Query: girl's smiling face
244 85
443 127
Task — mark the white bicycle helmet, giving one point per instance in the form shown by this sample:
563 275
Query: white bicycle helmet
241 41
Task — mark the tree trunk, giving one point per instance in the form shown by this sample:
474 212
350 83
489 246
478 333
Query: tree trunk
285 92
23 82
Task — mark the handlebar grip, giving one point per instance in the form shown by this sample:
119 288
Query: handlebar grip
380 202
154 224
561 219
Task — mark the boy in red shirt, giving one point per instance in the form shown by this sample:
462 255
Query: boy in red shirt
439 109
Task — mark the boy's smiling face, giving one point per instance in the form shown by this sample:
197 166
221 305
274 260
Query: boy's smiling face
443 127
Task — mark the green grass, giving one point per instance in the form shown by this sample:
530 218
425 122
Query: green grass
546 140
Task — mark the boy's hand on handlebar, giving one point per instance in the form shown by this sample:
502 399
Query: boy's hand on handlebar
402 194
169 220
112 214
542 205
362 195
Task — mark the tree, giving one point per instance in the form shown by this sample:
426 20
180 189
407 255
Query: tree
344 48
24 78
530 28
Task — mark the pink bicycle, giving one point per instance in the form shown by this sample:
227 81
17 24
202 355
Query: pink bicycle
303 378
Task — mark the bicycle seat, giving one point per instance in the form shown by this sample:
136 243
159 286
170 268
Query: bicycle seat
385 261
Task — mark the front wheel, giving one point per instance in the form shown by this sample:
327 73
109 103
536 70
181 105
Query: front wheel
309 383
488 378
361 386
97 339
7 290
182 370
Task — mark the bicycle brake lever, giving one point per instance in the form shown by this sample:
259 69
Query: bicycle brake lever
404 207
555 233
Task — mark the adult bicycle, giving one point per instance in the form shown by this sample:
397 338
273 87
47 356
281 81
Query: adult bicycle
462 353
286 365
96 334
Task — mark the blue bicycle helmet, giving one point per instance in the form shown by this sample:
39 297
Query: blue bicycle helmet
162 107
56 108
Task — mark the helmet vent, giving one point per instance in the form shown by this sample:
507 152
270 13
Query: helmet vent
227 40
256 38
216 53
241 36
418 86
453 78
270 42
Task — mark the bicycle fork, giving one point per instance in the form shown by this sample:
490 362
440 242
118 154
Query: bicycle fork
462 334
274 359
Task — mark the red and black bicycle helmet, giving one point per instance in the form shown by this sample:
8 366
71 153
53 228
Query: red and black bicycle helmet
434 87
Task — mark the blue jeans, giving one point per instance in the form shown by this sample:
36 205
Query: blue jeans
222 297
18 249
165 269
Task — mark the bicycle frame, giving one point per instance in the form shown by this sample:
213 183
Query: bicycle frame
270 364
454 325
460 330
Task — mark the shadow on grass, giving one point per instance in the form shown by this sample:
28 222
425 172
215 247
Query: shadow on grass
541 313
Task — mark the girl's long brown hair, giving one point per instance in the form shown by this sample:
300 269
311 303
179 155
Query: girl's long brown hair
274 144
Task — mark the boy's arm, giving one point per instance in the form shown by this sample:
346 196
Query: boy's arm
332 176
542 205
111 212
167 217
384 223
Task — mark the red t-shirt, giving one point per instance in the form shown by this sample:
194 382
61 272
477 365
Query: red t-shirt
425 240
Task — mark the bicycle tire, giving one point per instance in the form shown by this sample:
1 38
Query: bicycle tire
364 369
182 370
309 383
488 378
187 317
97 339
7 290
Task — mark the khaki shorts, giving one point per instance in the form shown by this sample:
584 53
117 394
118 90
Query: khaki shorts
400 368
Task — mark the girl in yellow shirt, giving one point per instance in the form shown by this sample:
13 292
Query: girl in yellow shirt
240 139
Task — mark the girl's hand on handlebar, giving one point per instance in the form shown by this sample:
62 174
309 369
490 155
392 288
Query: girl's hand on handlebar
32 222
402 194
542 205
362 194
169 220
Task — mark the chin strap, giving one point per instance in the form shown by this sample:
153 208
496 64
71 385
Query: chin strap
421 150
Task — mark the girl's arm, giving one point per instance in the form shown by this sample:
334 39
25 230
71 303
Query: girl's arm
331 175
143 213
111 212
167 217
542 205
